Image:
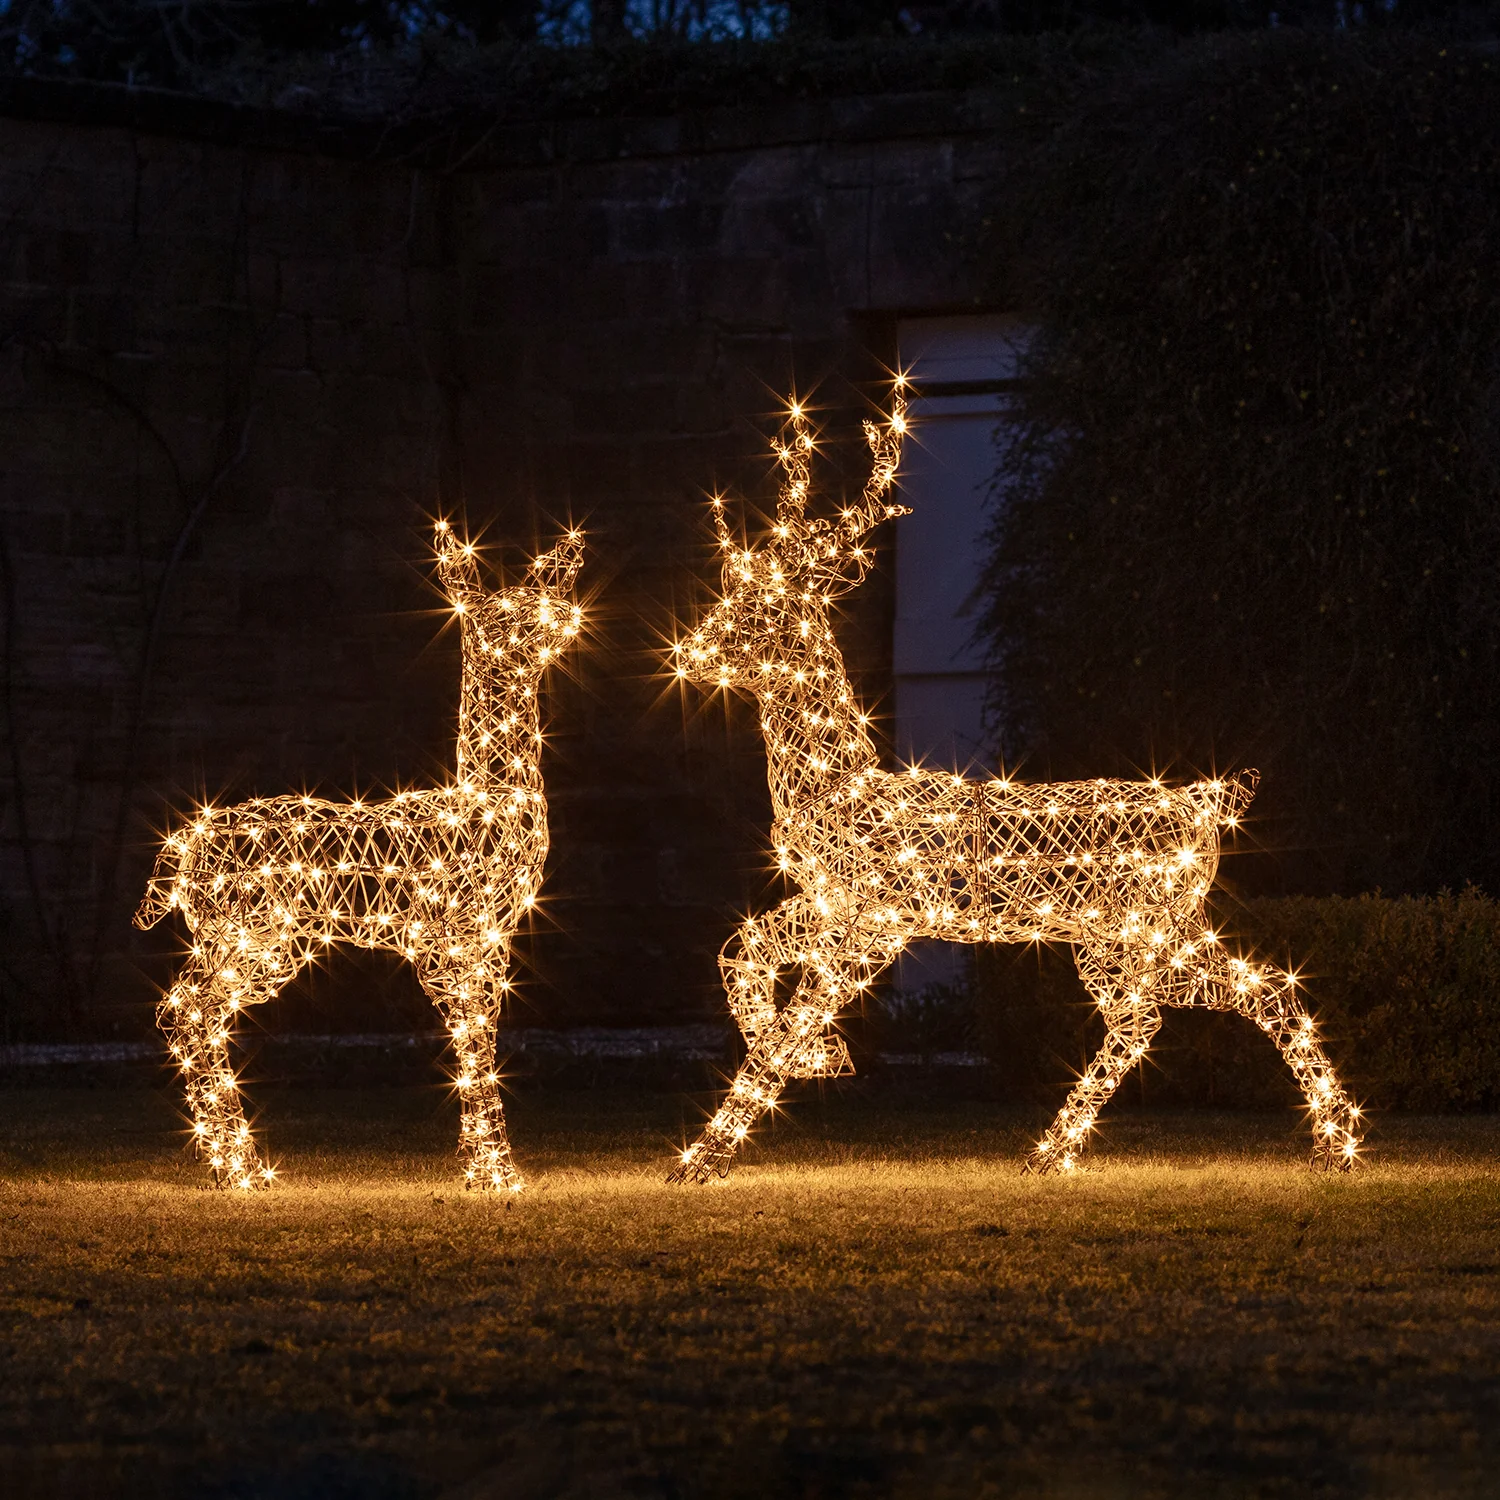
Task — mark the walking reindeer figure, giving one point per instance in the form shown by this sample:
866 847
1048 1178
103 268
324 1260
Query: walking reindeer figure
441 877
1120 870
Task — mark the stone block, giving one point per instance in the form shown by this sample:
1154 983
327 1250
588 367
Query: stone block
626 352
894 163
187 187
507 232
915 253
743 293
35 313
337 347
33 531
335 286
770 226
665 230
630 412
510 297
300 205
890 122
56 440
647 289
57 257
102 322
284 342
93 535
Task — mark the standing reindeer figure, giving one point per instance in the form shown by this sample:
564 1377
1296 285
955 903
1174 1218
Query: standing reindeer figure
441 877
1119 870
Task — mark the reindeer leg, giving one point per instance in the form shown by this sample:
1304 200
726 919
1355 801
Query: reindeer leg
1132 1016
763 948
794 1044
470 1006
196 1015
1269 998
748 965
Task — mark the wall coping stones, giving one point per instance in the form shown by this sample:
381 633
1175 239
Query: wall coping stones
471 143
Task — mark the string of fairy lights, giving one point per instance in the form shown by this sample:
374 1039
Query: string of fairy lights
442 877
876 859
1119 870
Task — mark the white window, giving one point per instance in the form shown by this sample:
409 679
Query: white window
964 369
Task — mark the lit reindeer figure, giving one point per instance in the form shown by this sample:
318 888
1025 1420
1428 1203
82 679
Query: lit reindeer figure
442 877
1119 870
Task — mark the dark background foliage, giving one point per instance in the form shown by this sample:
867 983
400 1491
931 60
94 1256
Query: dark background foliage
209 45
1254 514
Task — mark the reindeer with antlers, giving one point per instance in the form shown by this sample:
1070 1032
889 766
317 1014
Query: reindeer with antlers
442 877
1120 870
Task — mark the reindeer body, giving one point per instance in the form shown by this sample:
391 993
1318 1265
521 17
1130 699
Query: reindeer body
442 877
1119 870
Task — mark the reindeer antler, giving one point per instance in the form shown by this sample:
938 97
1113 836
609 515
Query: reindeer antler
796 462
557 568
885 451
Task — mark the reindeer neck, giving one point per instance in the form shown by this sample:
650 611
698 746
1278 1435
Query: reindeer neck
816 735
499 718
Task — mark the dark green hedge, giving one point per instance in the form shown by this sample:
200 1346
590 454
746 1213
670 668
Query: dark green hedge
1255 506
1406 991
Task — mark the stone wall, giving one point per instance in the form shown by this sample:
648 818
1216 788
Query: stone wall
241 369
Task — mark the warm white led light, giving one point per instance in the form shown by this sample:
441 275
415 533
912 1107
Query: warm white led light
1119 870
439 876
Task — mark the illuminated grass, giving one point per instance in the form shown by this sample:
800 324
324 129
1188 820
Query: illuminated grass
876 1305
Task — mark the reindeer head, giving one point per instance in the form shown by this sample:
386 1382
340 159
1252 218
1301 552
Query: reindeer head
772 619
530 619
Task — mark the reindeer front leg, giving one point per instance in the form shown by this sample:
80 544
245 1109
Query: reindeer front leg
792 1043
470 1005
765 947
784 1048
196 1015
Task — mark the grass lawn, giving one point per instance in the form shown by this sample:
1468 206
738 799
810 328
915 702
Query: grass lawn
876 1304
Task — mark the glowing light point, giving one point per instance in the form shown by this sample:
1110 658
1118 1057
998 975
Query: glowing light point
878 859
267 886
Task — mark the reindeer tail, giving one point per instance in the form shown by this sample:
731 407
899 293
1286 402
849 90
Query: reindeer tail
1233 795
160 897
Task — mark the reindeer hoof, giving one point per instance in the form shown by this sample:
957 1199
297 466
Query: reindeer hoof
490 1180
699 1163
1331 1161
1042 1161
828 1058
256 1179
697 1175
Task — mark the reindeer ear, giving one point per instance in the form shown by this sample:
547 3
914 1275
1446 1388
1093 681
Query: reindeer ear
556 569
721 525
457 569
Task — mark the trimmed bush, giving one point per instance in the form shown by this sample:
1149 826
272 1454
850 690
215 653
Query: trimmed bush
1406 991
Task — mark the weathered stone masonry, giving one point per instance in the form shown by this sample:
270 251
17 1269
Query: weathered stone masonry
244 361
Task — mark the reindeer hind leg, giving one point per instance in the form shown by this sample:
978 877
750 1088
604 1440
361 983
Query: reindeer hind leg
1132 1019
1269 998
